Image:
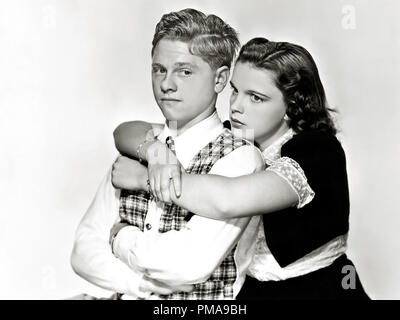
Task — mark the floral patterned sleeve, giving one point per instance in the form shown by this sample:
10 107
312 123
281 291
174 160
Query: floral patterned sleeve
290 170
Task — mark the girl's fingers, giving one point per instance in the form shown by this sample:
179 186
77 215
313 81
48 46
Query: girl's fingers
177 182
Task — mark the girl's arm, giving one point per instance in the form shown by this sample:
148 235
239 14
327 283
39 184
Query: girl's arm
219 197
211 196
215 196
136 139
306 157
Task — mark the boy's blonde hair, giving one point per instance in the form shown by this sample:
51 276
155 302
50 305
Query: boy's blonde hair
208 36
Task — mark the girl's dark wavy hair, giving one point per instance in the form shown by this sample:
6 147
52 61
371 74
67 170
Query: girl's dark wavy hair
297 77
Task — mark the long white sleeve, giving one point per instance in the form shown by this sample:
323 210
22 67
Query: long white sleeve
92 257
191 254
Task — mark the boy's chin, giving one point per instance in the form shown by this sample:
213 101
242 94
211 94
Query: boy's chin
174 123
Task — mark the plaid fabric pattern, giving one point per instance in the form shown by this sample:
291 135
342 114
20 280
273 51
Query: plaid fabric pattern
174 217
133 210
133 207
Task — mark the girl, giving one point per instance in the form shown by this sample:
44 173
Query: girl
302 194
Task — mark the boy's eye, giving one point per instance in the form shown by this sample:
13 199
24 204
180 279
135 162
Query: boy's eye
256 99
159 70
234 91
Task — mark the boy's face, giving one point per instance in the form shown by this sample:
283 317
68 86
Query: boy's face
183 84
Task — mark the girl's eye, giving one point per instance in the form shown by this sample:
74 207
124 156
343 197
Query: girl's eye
185 72
256 99
234 91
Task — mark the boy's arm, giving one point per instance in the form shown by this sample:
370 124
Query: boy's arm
93 259
191 254
128 136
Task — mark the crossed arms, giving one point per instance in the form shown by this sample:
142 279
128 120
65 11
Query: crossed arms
174 258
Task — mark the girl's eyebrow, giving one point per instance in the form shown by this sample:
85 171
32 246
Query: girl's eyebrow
253 92
259 94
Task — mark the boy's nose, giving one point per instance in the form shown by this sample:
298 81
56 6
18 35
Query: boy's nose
168 84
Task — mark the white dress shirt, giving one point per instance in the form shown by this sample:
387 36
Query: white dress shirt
176 257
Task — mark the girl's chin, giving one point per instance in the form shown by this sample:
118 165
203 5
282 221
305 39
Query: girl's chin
244 133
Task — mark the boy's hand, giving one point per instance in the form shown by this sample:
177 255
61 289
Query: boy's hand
163 166
128 174
158 288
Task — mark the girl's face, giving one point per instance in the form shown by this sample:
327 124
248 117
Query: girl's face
257 104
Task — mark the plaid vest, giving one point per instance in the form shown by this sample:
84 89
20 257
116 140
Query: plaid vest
134 205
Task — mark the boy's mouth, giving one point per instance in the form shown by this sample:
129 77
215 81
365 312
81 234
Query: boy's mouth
170 99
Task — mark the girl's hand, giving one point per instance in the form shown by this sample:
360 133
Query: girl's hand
163 167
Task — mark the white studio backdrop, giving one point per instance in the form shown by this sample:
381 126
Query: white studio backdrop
72 70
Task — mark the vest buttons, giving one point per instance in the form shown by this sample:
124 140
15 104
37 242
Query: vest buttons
148 226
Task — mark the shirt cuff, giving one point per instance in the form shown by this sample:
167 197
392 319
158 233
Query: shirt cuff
291 171
123 243
135 289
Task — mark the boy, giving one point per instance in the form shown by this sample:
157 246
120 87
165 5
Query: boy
167 250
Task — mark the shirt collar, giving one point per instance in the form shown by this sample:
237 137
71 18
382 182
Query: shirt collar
273 152
193 139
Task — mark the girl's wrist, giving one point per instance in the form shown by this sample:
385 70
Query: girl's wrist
153 150
142 149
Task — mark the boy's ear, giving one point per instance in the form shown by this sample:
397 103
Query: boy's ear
221 78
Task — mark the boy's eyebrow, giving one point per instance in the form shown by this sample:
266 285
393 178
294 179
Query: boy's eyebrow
176 65
185 64
157 65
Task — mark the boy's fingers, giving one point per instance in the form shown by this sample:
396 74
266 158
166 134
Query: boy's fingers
159 290
149 285
188 288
